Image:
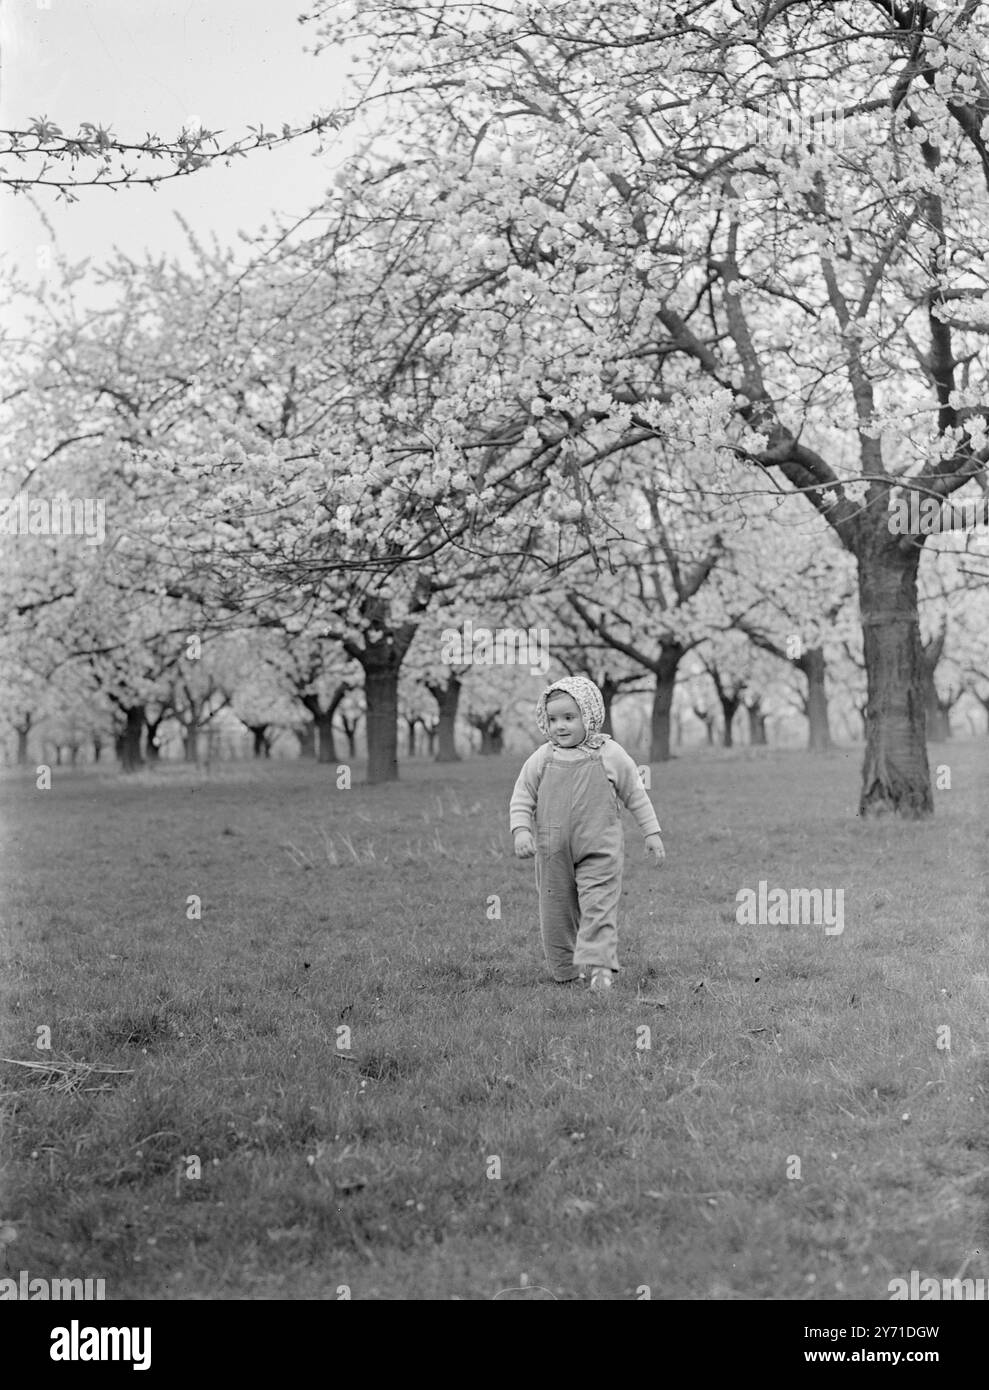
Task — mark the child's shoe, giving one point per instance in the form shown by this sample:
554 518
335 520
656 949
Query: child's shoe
601 977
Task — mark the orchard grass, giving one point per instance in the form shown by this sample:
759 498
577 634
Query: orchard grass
366 909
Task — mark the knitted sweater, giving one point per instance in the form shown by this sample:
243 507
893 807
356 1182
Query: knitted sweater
621 772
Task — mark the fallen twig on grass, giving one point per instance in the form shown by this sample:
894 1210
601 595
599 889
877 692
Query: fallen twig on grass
70 1074
69 1066
663 1196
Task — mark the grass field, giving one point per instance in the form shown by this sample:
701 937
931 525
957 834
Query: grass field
622 1167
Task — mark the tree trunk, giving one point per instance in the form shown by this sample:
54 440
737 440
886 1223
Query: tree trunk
729 708
938 711
73 754
22 732
97 748
609 689
262 743
757 726
152 749
190 743
666 673
306 735
938 721
447 698
860 711
707 719
323 721
895 774
491 736
813 665
431 730
381 694
410 724
350 729
130 739
327 743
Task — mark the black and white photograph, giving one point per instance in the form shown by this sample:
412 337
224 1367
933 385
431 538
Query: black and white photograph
494 656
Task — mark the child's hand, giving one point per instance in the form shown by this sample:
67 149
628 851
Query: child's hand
655 849
524 845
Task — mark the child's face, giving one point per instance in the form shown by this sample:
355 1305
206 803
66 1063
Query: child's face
563 720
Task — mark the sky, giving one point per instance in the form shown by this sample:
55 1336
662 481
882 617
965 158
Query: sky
152 65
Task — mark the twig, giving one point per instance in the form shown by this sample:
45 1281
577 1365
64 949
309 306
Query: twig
70 1067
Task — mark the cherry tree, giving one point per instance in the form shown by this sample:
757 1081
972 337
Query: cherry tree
654 608
263 704
811 297
792 597
235 457
579 241
954 633
728 664
438 667
320 678
39 154
22 691
573 646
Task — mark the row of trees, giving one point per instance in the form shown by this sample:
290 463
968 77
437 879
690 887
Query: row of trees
209 709
746 650
573 343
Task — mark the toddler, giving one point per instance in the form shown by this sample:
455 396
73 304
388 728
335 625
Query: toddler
572 790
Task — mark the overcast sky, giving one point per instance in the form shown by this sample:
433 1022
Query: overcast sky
151 65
